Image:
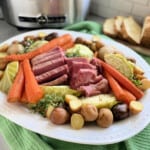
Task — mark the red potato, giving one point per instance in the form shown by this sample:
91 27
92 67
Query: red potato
59 116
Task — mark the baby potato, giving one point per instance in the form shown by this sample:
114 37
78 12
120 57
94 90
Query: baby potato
89 112
105 118
59 116
77 121
135 107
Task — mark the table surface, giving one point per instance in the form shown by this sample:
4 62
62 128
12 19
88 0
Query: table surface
7 31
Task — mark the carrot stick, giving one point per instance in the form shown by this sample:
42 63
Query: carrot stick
120 93
16 89
128 96
67 45
33 91
24 97
46 47
124 81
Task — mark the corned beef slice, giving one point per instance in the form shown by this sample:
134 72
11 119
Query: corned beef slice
94 89
84 77
47 66
69 61
52 74
48 58
60 80
97 65
44 55
76 66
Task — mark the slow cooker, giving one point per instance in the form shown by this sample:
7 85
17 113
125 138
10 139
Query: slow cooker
44 13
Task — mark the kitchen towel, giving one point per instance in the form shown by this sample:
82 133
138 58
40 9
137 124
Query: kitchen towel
19 138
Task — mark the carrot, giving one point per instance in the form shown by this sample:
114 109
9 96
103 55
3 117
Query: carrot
16 89
33 91
120 93
124 81
46 47
128 96
67 45
24 97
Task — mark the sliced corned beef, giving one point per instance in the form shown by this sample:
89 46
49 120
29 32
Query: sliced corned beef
47 66
60 80
48 58
84 77
76 66
97 65
50 52
94 89
52 74
69 61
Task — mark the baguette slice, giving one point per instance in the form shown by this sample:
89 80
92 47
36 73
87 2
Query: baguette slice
131 30
108 27
145 36
118 24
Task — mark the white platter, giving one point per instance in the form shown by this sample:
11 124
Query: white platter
91 134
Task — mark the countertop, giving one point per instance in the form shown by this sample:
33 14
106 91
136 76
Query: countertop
8 31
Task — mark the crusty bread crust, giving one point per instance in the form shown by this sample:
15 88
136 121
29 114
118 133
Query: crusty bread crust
131 30
108 27
117 25
145 36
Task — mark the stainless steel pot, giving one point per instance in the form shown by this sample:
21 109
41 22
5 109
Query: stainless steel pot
44 13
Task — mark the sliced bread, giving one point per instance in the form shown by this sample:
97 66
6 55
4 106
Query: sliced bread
118 24
131 30
145 36
108 27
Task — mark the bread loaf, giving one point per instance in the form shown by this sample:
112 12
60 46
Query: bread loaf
108 27
131 30
117 25
145 36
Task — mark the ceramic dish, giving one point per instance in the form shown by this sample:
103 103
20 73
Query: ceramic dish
91 134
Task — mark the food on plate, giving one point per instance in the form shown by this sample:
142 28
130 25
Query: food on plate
4 48
75 105
61 90
36 45
135 107
89 112
120 111
73 81
77 121
101 100
79 50
119 91
145 84
106 50
93 44
105 118
119 62
59 115
16 90
15 48
8 76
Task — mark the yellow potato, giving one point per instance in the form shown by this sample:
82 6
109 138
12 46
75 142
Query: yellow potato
135 107
77 121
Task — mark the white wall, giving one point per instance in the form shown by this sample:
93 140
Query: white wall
110 8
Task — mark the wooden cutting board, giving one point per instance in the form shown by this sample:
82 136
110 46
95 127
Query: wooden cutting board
139 49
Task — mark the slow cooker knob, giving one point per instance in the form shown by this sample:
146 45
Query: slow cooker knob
42 20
